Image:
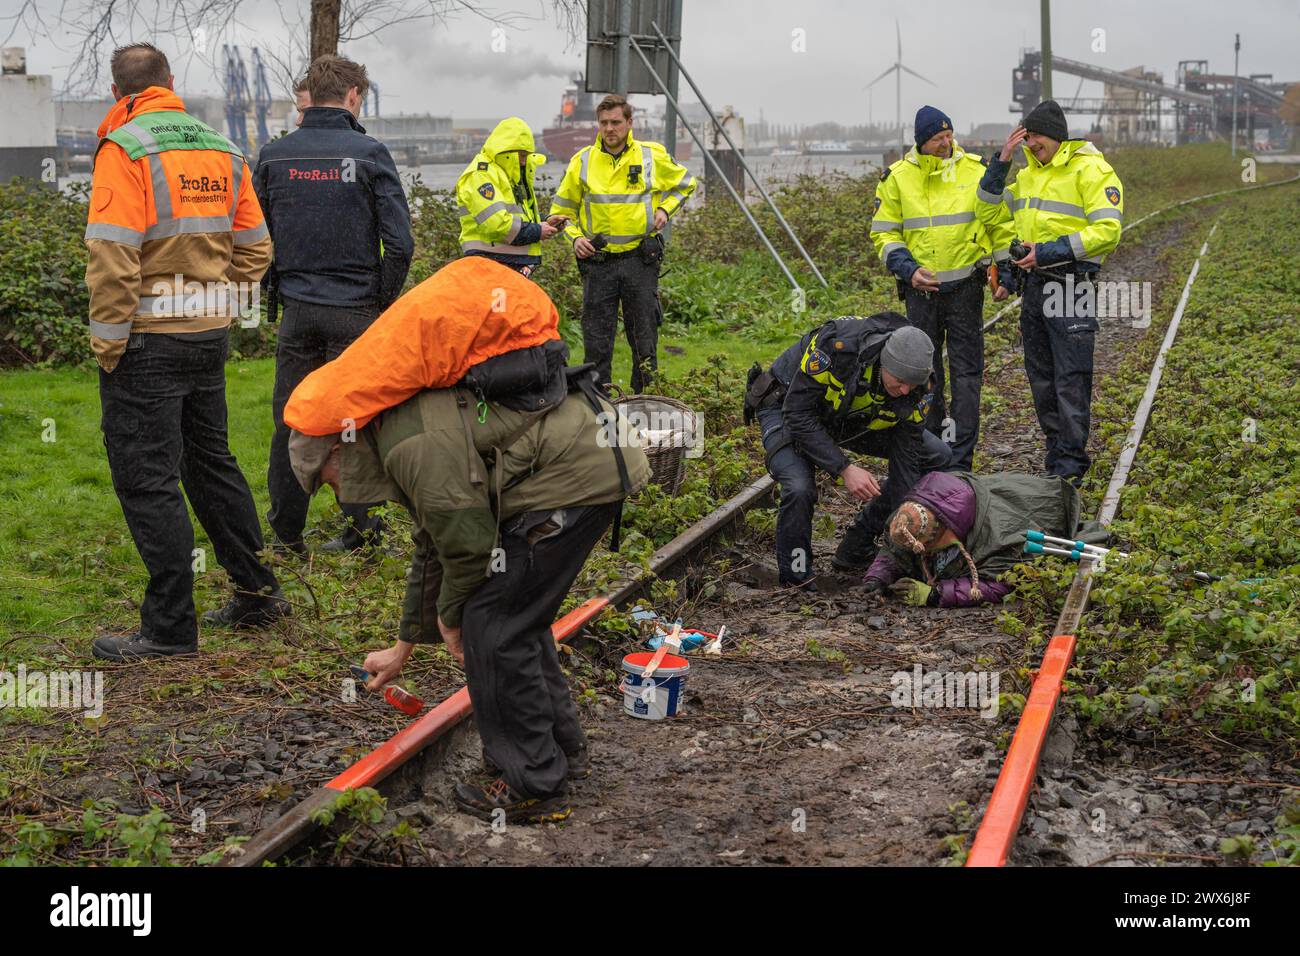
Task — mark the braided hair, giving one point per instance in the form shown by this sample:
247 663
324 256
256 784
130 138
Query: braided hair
917 529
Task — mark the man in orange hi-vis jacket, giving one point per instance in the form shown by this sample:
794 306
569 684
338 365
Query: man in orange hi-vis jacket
177 247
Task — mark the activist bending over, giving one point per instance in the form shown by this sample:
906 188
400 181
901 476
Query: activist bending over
467 416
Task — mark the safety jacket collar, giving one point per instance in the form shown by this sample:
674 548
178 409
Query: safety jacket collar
628 146
330 117
152 99
1068 149
933 164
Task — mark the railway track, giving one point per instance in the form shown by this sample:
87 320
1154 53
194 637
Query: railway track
403 764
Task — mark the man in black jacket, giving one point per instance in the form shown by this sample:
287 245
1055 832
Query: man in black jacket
334 204
859 383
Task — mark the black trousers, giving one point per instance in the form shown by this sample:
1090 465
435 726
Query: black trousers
627 280
310 335
954 320
522 703
1058 326
164 421
909 458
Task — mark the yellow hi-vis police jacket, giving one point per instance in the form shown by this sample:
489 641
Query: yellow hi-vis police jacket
494 201
1072 207
925 217
617 197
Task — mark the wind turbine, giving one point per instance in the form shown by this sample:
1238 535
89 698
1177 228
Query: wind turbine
897 69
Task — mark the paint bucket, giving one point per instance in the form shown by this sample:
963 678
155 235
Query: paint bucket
661 695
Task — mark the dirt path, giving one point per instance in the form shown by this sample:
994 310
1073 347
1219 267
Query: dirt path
790 749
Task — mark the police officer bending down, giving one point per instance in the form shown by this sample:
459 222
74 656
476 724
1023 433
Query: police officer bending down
859 383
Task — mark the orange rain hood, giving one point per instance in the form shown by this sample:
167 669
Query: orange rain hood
468 311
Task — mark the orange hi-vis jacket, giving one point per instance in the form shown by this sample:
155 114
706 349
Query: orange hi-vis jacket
470 310
176 237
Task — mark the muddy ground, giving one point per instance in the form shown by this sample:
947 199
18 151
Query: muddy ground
790 749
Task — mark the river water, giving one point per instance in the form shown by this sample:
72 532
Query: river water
771 170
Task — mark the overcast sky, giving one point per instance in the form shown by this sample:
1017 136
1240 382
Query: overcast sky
747 54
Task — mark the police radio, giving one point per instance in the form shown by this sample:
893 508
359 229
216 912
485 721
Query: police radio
633 175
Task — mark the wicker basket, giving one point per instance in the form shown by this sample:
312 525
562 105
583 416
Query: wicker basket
666 428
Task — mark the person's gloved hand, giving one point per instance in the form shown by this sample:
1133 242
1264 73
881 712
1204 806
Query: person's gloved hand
872 586
911 591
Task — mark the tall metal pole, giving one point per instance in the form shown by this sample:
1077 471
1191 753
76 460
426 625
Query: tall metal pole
794 283
1045 21
622 52
898 100
1236 57
670 112
672 54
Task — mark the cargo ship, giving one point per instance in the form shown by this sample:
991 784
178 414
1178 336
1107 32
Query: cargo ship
575 126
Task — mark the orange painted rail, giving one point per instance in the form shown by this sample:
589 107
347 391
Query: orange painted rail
1007 805
395 751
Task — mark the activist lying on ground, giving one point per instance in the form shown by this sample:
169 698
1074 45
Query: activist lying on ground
955 533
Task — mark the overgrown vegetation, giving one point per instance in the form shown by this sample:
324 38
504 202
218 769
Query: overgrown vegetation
1215 488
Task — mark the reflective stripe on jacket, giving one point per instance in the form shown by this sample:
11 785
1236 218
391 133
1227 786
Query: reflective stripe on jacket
173 222
497 204
1073 206
925 212
617 197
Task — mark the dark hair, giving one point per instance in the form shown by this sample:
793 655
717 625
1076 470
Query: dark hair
330 77
137 66
613 102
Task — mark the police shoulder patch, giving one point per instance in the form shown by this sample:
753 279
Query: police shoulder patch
817 361
884 173
1112 194
483 166
486 191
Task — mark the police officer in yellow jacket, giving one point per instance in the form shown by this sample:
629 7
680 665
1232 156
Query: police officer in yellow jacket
926 232
1067 207
497 201
620 192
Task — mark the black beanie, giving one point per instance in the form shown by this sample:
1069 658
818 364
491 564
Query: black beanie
1048 119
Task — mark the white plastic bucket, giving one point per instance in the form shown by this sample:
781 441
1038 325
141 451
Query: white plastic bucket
661 695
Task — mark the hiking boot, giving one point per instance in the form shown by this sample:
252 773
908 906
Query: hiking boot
130 647
856 550
249 610
490 801
579 765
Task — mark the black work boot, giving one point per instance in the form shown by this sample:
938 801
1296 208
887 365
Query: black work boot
490 801
130 647
856 551
250 610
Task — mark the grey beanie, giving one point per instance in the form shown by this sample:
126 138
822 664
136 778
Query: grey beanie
908 355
